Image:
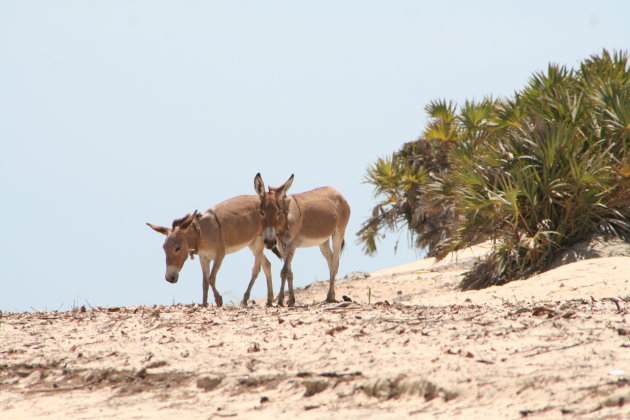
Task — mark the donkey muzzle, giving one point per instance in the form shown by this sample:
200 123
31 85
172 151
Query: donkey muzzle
172 275
269 238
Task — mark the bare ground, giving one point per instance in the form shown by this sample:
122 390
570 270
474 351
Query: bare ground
407 346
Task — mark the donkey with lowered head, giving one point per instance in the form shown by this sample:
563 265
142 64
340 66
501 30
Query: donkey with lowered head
313 218
225 228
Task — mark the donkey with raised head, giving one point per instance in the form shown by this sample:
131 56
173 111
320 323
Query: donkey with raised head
225 228
313 218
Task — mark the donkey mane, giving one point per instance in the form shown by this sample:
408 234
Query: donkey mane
178 222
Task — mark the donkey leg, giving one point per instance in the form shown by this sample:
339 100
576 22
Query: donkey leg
205 268
267 270
287 275
283 282
257 251
281 293
328 254
213 278
283 279
337 246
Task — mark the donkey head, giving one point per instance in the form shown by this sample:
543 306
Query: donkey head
273 209
177 244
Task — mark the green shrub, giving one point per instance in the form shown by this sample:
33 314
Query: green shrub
535 173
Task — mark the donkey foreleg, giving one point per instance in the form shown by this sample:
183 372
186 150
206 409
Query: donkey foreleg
213 278
286 274
255 271
287 277
267 270
280 299
259 259
205 268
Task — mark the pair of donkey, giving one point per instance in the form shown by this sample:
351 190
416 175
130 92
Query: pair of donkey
270 219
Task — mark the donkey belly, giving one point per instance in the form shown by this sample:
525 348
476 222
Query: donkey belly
212 253
236 247
304 242
208 253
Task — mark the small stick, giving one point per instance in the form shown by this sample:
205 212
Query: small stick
616 302
91 307
559 348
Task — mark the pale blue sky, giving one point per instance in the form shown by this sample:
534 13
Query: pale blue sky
117 113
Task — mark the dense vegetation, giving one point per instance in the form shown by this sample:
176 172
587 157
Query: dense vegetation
535 173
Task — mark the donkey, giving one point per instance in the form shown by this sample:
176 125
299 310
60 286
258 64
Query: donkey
225 228
301 221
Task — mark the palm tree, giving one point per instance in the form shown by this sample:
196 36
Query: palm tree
536 172
407 179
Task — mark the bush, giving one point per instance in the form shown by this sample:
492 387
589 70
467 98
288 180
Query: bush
536 173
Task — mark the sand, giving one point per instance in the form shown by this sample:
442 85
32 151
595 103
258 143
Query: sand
409 345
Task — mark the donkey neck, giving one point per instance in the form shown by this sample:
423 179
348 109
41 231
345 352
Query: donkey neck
193 237
209 231
290 213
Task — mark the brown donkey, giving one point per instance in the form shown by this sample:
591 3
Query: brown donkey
225 228
301 221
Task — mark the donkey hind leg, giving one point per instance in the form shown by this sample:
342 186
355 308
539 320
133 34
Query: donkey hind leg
328 254
257 251
205 282
213 279
337 247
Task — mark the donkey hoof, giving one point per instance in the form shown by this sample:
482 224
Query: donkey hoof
291 302
218 300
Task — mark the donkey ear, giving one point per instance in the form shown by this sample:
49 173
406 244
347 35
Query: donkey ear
159 229
282 190
188 220
259 185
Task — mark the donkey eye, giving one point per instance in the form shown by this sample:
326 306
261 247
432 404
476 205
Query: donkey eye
261 212
178 248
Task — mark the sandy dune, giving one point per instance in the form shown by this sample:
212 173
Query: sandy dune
408 346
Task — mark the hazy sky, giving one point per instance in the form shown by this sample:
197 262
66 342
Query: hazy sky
117 113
